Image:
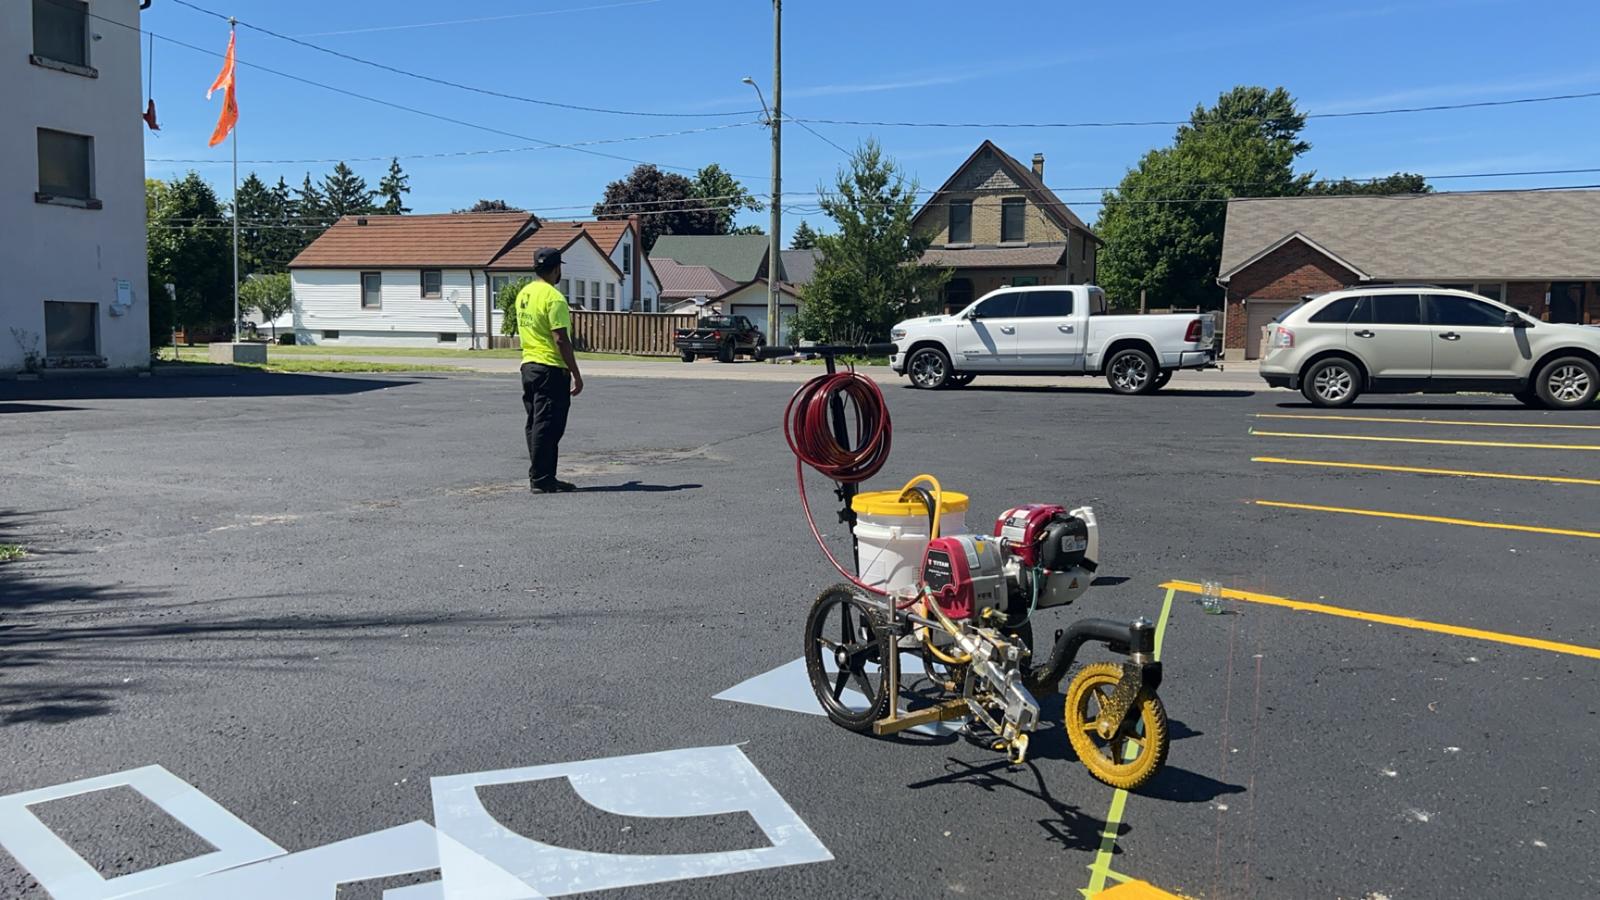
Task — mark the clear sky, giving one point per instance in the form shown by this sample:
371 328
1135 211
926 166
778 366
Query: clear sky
935 61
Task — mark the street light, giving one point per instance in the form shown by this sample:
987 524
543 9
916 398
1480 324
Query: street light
773 120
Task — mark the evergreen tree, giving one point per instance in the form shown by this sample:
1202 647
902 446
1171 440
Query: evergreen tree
189 246
393 189
346 194
804 238
259 220
310 207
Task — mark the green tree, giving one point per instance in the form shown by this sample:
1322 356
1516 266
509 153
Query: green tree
188 246
490 206
665 202
804 238
868 277
506 300
1163 224
259 220
310 207
726 197
270 295
748 229
346 194
1398 183
393 188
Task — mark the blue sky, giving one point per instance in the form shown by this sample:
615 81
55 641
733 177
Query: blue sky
870 59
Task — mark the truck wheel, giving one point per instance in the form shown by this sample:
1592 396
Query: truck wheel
962 380
755 355
1332 382
1568 383
929 368
1131 371
686 356
1162 379
725 353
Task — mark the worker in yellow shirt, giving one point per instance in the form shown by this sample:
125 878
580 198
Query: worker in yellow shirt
550 376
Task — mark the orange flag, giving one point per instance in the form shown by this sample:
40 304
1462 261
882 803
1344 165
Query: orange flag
230 103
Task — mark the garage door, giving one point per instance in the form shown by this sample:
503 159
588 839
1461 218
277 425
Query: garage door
757 314
1262 312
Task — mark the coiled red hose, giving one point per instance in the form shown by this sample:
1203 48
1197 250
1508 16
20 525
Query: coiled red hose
808 427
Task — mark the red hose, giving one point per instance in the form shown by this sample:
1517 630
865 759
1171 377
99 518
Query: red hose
808 427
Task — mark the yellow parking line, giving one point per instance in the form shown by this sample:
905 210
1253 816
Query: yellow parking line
1514 640
1415 470
1438 520
1427 421
1400 440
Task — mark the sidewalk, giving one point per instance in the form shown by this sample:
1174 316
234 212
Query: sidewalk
1236 376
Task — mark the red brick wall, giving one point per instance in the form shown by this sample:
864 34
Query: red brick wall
1287 273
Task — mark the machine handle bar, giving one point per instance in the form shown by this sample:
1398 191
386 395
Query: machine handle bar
826 351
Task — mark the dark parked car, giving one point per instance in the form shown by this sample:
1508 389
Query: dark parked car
725 337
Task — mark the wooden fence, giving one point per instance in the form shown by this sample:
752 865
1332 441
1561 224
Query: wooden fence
629 333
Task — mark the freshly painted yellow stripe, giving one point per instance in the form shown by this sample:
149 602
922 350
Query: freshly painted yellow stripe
1407 440
1497 637
1437 520
1453 422
1414 470
1137 890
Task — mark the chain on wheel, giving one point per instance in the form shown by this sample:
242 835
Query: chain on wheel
1125 756
845 647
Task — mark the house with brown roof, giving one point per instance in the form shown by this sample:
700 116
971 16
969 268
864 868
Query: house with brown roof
1534 250
997 224
429 280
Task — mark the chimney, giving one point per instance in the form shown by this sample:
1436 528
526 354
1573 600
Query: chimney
1038 165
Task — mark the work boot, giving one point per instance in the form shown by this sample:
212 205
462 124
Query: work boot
553 487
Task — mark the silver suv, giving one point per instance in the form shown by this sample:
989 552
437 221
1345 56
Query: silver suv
1407 339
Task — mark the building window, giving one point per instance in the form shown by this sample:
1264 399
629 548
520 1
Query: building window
71 329
66 167
594 295
61 31
957 294
960 222
627 259
566 288
1012 210
447 337
611 297
432 284
580 299
371 290
329 335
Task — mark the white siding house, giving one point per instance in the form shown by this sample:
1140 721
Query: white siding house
380 307
589 280
72 186
750 300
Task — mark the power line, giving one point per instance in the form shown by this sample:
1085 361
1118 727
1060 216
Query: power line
456 84
1403 110
819 135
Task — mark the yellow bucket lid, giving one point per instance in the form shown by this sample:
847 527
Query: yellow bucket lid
888 503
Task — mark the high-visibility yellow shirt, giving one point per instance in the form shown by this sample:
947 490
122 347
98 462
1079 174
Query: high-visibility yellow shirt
540 311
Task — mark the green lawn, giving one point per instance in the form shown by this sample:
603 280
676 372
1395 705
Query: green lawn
198 355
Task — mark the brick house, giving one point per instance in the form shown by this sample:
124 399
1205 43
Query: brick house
1534 250
996 224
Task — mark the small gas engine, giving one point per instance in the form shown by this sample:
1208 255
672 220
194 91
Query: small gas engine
1040 556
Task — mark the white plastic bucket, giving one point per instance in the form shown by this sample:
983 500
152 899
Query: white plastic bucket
891 535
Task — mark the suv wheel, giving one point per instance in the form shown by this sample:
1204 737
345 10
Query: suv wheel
929 368
1332 382
1131 372
1568 383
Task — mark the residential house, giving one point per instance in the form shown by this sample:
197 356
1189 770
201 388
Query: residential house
430 280
72 162
996 224
690 288
742 258
1534 250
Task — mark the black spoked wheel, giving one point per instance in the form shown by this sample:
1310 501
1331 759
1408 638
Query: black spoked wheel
845 649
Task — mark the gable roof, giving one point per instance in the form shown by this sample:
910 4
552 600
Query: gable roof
1488 236
519 255
799 266
457 240
679 282
606 232
1024 176
738 256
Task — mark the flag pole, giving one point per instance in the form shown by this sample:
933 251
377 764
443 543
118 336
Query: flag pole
232 24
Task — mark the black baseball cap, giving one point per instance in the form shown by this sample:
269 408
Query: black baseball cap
546 258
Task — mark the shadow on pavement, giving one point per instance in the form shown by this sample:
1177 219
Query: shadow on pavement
1067 825
1177 785
242 383
8 408
1175 393
1509 405
638 487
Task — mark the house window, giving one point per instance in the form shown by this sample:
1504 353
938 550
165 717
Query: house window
611 297
329 335
957 294
627 259
581 299
432 284
71 329
594 295
371 290
1011 220
960 222
66 167
566 288
447 337
61 31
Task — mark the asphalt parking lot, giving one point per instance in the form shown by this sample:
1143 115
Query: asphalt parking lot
308 596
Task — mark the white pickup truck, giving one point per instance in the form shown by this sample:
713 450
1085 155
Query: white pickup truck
1051 330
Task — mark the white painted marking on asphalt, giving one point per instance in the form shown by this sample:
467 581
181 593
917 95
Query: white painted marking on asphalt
788 688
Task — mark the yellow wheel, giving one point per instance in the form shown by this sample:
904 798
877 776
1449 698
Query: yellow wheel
1129 757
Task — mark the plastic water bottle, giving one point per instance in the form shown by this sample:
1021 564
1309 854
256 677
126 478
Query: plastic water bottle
1211 598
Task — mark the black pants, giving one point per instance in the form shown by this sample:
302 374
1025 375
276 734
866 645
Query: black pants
547 396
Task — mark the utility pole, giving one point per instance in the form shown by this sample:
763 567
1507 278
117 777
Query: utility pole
774 261
232 24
